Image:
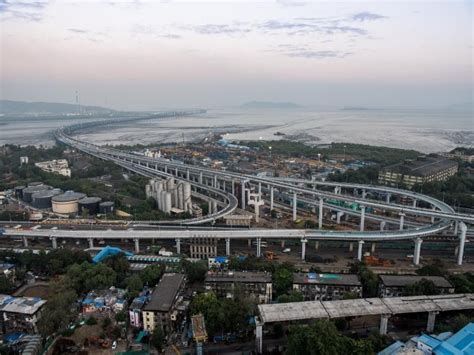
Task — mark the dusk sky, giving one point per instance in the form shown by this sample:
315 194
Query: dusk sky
152 55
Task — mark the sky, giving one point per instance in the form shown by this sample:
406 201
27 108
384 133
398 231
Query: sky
149 55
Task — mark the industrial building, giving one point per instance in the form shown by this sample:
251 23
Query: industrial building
168 194
326 287
57 166
20 313
418 171
162 310
67 203
395 285
253 284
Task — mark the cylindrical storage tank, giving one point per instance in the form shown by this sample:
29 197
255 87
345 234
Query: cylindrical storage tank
91 204
42 199
67 202
106 207
35 183
181 196
169 184
19 191
30 190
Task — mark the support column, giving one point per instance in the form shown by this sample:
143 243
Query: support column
259 247
364 194
187 174
227 246
384 324
320 216
414 202
233 187
456 250
282 244
316 245
416 254
388 197
351 247
456 227
25 242
249 242
91 243
303 248
339 214
200 177
137 245
359 250
271 198
382 226
402 220
295 202
223 185
260 189
54 242
432 218
176 172
431 321
166 169
362 218
259 336
242 197
462 241
215 181
178 246
372 249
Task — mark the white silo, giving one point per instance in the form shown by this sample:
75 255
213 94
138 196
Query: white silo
180 193
187 197
167 206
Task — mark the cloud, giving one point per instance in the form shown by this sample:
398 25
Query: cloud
30 11
317 54
216 29
76 30
367 16
172 36
291 3
311 25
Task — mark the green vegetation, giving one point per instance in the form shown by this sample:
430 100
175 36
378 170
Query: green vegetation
223 315
368 279
422 287
292 296
195 271
283 278
158 338
365 175
323 338
382 155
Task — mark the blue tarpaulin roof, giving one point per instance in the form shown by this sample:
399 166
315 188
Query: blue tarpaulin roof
109 251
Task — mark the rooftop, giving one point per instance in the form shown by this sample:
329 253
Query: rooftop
165 293
423 166
238 276
326 279
21 305
406 280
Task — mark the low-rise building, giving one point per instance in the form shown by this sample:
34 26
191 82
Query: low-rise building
445 343
135 311
395 285
57 166
162 309
112 299
327 287
418 171
252 284
202 248
20 314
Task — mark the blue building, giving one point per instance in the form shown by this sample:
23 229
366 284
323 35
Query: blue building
461 343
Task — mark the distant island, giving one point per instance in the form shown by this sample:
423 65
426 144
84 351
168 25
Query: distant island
355 108
10 107
268 104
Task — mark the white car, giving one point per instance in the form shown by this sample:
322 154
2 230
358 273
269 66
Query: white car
287 250
114 345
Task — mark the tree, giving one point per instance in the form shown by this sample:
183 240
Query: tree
134 285
283 278
151 275
368 278
6 286
431 270
158 338
463 283
85 277
292 296
323 338
422 287
195 271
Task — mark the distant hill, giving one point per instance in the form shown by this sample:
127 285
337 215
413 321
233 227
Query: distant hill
268 104
8 107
